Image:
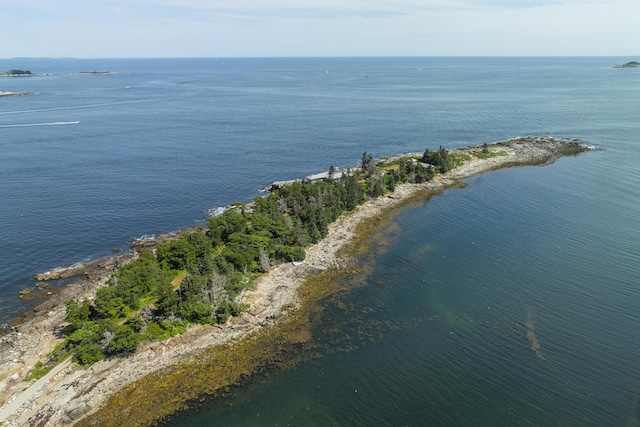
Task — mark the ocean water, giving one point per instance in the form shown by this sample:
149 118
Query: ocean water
512 301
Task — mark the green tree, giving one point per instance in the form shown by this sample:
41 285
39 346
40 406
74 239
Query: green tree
178 254
125 341
88 354
168 299
198 312
390 180
290 253
137 279
222 226
440 159
226 310
354 195
108 303
368 165
331 174
77 315
375 185
136 323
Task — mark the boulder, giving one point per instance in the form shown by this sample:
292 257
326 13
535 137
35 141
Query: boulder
76 409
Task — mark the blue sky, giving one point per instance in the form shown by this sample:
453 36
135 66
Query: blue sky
230 28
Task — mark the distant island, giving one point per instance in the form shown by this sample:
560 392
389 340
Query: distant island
632 64
20 73
98 73
27 73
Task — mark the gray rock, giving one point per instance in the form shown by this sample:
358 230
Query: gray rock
76 409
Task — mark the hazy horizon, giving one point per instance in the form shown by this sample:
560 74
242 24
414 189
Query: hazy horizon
313 28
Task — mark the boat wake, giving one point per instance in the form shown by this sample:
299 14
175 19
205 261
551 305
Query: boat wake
23 125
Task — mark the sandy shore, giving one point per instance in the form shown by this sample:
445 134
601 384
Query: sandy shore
68 395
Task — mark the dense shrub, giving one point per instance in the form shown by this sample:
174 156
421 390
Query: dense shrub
198 276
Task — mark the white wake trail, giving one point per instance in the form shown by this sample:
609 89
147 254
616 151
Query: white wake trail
24 125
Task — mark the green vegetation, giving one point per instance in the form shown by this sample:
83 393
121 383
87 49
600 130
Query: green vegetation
440 159
200 276
18 72
38 371
485 153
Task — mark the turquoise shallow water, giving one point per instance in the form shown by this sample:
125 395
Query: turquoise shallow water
512 301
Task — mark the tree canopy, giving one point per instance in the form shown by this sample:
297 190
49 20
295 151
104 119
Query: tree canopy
199 276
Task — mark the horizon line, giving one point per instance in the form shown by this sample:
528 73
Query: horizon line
315 57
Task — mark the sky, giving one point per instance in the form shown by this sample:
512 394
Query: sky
311 28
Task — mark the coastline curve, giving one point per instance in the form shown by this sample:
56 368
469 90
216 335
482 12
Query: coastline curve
243 346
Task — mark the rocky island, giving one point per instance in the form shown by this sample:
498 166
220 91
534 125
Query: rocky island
21 73
162 376
632 64
18 73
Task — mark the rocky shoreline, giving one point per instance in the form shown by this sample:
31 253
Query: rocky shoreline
72 393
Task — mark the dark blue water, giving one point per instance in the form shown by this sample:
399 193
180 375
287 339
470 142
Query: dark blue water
469 281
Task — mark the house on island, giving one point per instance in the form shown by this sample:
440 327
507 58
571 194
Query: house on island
322 176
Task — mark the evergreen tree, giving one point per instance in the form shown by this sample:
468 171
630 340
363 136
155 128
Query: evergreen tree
167 302
77 315
440 159
332 172
368 165
354 194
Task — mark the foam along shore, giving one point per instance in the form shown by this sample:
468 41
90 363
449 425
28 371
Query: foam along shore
78 393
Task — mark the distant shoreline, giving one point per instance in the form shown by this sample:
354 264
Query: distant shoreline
80 73
106 390
98 73
24 75
632 64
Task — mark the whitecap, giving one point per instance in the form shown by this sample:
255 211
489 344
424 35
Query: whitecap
218 211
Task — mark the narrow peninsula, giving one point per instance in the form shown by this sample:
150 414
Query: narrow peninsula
159 372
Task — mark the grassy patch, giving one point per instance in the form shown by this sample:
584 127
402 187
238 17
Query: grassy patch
59 352
394 164
177 281
459 158
38 371
487 154
159 331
